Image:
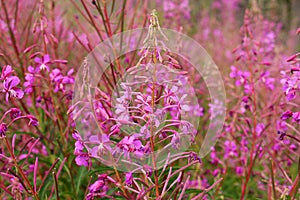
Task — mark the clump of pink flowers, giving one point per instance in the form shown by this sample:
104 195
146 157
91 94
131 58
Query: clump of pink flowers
136 133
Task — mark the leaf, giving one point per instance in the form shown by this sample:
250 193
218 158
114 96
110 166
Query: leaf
82 173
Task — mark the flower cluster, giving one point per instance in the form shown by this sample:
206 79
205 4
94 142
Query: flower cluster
136 133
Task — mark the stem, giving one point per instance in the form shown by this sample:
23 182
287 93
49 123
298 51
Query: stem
121 182
273 179
20 169
244 188
152 137
12 36
56 185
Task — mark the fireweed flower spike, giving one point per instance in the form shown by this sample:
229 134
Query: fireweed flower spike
147 122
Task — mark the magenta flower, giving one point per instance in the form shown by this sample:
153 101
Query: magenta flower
10 88
3 129
14 113
103 144
130 144
286 115
76 135
269 82
32 120
28 84
239 170
29 80
281 135
78 148
259 128
242 78
128 179
175 140
296 117
43 63
6 72
291 86
59 80
230 149
82 160
97 186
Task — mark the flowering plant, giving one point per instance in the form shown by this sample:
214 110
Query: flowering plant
118 99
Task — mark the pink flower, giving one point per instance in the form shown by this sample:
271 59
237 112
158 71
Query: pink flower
10 88
32 120
43 62
3 129
14 113
128 178
239 170
103 144
82 160
260 128
6 72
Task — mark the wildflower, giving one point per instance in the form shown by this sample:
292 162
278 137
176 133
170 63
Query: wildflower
98 185
28 84
14 113
103 144
148 170
128 179
259 128
216 108
6 72
115 129
78 147
76 135
130 144
240 76
179 103
175 140
277 147
293 147
32 120
194 156
281 135
233 73
296 117
281 125
213 156
29 80
239 170
98 188
43 63
291 85
230 149
3 129
15 185
286 115
82 160
10 88
216 172
269 82
59 80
